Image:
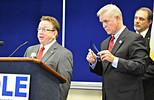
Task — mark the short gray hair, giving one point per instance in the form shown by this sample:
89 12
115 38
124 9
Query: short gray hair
112 9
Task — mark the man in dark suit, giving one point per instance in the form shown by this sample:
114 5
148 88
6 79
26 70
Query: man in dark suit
142 21
122 67
54 55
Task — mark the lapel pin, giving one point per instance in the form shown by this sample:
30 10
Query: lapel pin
120 41
51 51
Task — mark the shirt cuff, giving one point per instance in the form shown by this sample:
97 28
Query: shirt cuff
115 62
93 65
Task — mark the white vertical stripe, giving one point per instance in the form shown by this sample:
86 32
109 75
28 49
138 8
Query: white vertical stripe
63 25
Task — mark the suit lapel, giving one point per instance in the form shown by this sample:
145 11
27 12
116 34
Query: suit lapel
116 46
147 37
119 41
34 51
50 52
104 46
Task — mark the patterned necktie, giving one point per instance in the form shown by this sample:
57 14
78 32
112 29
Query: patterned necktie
111 43
39 56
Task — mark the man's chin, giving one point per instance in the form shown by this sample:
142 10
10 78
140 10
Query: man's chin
138 29
42 42
109 33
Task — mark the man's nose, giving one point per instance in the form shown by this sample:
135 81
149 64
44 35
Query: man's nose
137 19
104 25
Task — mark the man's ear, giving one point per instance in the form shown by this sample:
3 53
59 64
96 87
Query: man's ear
118 18
55 34
150 22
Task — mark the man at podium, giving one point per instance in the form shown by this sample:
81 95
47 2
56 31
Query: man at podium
52 53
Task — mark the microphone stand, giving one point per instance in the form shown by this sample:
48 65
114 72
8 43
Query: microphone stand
19 47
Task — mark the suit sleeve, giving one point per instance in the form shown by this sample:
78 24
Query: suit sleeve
98 70
65 68
137 58
25 54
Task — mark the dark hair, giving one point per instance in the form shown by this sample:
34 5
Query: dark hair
150 14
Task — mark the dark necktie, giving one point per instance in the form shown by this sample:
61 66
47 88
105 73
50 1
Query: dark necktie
111 43
39 56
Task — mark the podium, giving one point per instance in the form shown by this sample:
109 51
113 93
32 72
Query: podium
44 81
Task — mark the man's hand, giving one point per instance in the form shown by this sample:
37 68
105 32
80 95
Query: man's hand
91 57
106 55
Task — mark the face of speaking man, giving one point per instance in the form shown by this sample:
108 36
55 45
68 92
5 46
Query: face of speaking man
46 33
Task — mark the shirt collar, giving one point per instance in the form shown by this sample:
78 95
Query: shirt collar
143 33
118 33
47 46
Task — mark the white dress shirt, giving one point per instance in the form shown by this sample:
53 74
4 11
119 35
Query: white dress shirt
143 33
47 47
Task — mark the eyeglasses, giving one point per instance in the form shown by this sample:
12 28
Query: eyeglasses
93 46
44 29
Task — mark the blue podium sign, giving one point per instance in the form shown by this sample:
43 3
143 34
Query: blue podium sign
14 86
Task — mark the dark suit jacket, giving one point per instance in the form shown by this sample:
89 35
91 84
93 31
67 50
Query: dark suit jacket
124 82
61 60
147 38
148 78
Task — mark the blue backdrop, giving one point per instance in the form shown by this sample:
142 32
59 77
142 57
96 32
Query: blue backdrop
19 20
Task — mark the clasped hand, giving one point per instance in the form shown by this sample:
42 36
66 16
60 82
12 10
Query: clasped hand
104 55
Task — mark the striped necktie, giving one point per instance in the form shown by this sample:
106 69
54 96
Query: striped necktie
111 43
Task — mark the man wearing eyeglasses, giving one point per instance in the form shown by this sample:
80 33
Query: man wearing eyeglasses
142 21
53 54
123 58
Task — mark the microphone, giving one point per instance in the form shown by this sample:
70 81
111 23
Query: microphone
19 47
33 55
1 43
